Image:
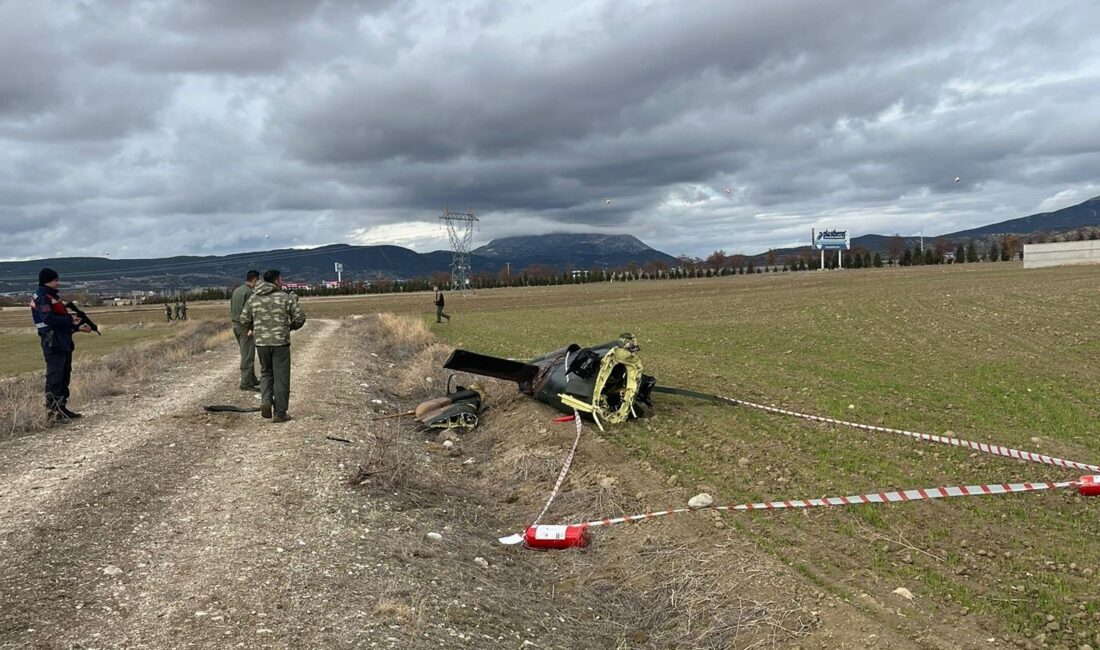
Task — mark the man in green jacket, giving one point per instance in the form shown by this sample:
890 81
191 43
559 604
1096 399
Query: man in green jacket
269 316
240 332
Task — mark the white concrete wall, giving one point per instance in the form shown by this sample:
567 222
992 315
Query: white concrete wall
1062 253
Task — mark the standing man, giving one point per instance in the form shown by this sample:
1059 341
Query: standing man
245 342
269 315
168 312
179 311
183 309
438 300
55 330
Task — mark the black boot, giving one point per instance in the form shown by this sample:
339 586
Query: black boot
265 410
72 415
53 410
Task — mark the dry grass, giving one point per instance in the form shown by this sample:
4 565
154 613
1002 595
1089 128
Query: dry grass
530 465
21 398
403 335
21 405
402 604
423 375
418 373
396 609
678 597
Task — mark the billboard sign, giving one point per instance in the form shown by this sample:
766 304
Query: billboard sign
832 240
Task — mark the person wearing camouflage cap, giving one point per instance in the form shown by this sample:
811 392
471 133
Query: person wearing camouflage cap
270 315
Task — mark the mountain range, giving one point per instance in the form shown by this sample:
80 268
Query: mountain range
561 251
580 251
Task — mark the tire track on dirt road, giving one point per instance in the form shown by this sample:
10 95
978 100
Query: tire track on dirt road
38 469
265 556
119 507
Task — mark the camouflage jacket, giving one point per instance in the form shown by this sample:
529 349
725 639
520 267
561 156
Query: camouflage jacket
271 315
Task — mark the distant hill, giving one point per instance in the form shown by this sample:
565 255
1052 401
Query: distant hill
316 264
1082 215
181 272
582 251
1076 216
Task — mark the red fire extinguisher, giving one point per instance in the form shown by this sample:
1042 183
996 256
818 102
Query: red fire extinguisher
556 536
1089 486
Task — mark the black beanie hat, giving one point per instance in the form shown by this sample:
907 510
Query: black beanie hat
47 275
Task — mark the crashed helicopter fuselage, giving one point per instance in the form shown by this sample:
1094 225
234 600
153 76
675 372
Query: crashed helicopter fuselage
605 381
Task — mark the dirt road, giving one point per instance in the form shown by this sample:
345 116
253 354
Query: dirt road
152 524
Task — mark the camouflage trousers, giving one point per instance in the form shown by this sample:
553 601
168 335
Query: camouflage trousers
247 346
275 375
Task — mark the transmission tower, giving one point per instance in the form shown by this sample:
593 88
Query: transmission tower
460 229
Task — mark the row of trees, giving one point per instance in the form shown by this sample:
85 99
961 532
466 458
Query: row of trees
898 252
942 251
717 264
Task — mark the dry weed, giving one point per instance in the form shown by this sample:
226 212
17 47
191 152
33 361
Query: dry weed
423 375
592 502
21 398
676 596
395 610
402 604
21 405
403 335
526 464
391 461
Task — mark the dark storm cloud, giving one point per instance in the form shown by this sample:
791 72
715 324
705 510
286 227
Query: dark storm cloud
203 126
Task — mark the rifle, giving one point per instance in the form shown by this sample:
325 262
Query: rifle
84 319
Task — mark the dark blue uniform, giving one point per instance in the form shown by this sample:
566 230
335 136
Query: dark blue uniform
55 330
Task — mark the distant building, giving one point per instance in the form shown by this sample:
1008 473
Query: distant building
297 286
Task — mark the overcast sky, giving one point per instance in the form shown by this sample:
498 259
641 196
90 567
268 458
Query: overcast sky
167 127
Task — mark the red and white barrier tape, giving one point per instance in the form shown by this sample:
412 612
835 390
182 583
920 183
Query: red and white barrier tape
996 450
855 500
564 469
876 497
1086 485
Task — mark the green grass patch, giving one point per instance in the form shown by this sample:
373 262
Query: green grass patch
990 352
21 353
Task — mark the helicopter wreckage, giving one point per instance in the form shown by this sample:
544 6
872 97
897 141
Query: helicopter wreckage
604 381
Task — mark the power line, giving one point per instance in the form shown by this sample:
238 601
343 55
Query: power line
460 230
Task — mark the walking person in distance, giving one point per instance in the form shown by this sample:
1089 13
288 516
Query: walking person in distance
439 301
